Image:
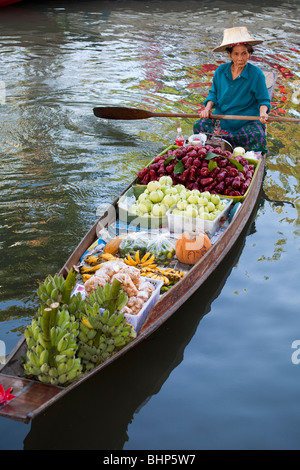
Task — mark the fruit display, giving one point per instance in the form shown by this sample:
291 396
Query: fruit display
122 278
190 247
72 334
203 168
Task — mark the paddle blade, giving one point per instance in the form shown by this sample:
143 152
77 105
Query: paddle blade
119 112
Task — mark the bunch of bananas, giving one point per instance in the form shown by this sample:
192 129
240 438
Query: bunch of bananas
58 289
169 276
147 260
103 327
51 339
95 262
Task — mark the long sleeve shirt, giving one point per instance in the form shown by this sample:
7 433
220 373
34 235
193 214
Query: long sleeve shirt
242 96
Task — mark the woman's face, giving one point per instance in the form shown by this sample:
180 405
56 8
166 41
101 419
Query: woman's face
240 55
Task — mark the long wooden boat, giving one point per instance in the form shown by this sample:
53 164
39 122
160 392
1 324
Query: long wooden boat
133 379
33 397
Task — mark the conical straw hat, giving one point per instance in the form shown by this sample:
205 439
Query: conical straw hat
234 36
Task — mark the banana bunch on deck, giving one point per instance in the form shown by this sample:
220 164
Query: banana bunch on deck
149 268
103 328
71 335
94 263
169 276
146 260
52 346
51 336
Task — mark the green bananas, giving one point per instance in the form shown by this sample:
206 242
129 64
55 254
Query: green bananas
111 297
52 345
69 335
58 289
103 328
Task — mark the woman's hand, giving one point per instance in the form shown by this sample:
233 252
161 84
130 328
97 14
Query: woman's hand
263 114
205 113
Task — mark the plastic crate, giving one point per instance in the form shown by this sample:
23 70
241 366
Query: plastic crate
179 223
138 320
145 221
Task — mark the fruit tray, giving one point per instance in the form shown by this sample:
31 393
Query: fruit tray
178 224
251 161
145 221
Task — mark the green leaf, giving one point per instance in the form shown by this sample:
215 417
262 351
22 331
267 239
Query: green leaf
179 167
211 155
212 165
237 164
167 160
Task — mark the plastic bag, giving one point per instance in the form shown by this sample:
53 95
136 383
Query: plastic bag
134 242
162 248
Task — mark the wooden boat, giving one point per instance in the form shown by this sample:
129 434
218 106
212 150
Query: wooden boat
121 384
33 397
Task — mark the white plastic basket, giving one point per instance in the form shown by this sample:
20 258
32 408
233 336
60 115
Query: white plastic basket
179 224
146 221
135 320
138 320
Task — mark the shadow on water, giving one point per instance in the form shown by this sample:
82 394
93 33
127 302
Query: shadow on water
96 415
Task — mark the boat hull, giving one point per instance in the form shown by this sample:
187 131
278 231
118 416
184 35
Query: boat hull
32 397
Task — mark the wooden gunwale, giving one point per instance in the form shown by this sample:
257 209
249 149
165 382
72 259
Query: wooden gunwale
33 397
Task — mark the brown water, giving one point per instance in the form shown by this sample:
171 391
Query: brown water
220 375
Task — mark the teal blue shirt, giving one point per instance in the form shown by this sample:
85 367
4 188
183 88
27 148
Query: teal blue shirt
242 96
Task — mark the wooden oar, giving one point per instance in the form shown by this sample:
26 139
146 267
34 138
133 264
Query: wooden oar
123 113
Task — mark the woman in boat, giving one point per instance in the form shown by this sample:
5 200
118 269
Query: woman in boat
238 88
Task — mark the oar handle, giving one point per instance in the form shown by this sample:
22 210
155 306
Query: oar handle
228 116
253 118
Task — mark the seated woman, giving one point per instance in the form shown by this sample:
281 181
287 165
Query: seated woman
238 88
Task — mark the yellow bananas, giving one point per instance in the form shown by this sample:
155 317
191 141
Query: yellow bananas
94 260
89 269
168 276
146 260
95 263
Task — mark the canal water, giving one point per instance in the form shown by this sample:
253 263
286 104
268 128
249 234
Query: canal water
224 372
